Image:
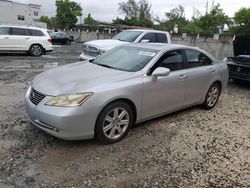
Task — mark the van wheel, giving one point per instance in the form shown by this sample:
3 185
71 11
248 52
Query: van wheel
212 96
114 122
36 50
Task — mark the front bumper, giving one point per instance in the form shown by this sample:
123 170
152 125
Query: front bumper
239 72
68 123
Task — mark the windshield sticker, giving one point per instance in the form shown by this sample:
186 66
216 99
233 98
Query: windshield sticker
151 54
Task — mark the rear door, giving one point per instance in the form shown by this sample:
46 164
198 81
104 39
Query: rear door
200 71
4 38
19 38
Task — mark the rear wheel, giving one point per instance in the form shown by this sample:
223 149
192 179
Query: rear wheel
212 96
114 122
36 50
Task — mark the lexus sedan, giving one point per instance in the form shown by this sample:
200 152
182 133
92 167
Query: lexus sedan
105 97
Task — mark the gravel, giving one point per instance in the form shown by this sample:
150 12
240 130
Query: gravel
190 148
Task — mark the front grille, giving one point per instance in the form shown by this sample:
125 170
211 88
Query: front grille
239 70
36 97
91 50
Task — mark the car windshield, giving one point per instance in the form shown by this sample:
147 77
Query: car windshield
126 58
127 36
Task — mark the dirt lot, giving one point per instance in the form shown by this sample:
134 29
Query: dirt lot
191 148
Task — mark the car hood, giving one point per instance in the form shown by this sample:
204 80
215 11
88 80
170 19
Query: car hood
105 44
76 78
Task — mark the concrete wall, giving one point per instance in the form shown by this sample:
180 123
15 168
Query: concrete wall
219 48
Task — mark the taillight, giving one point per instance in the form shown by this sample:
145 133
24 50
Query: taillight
50 40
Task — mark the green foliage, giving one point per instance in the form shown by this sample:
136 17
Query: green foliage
90 21
136 13
191 28
214 20
242 20
242 16
66 13
175 17
51 22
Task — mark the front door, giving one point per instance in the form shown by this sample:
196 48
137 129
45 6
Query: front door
164 94
4 38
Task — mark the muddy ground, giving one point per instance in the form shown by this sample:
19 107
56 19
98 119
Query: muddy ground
191 148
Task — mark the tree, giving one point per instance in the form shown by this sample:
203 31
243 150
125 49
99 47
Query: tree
212 21
175 17
136 13
67 12
90 21
242 20
51 22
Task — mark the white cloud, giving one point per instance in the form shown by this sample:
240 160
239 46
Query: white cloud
106 10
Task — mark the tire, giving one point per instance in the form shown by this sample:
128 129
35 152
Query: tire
36 50
212 96
68 42
111 128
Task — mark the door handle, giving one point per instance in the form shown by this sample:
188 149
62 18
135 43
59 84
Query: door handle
183 76
6 37
27 38
212 70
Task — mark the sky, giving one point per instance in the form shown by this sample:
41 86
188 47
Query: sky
106 10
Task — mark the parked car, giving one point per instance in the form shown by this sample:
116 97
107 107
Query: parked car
131 84
239 65
60 38
24 39
92 49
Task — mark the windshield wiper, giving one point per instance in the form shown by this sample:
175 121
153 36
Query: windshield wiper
122 40
103 65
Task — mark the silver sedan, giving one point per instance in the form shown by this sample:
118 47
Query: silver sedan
105 97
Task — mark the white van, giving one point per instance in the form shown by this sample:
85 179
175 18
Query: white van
24 39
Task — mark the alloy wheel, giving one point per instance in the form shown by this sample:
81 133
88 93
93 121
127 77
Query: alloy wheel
116 123
36 50
212 96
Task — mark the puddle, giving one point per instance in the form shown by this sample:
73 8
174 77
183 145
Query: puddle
51 65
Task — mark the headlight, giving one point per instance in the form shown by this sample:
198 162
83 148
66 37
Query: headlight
69 100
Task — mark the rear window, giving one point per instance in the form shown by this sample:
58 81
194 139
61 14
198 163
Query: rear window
35 32
4 30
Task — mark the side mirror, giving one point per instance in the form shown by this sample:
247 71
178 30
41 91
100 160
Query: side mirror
161 71
144 41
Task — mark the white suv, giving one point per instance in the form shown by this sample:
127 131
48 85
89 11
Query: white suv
18 39
94 48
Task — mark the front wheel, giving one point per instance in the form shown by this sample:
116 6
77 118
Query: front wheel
114 122
36 50
212 96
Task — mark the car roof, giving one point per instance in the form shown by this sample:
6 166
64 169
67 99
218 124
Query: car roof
160 46
146 30
23 27
166 47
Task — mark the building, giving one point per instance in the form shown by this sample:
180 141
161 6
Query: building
19 13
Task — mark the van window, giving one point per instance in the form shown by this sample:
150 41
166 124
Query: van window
4 30
35 32
20 31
